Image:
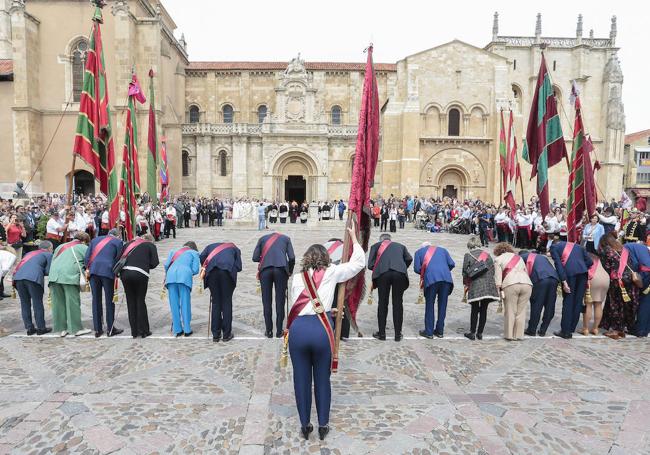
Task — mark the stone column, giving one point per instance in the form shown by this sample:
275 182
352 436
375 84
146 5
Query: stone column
6 52
410 156
239 166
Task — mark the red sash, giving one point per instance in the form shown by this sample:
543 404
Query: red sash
265 249
566 252
131 247
512 263
215 251
425 263
530 261
334 246
65 247
625 254
26 258
593 268
100 246
380 251
178 254
303 299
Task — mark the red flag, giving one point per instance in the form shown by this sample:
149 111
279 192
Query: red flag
512 170
363 174
164 172
591 194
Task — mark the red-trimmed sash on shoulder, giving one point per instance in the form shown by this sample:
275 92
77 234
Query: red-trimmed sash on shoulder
178 254
425 263
98 248
265 249
625 254
26 259
566 252
131 247
215 251
594 266
384 245
512 263
65 247
530 261
334 246
304 298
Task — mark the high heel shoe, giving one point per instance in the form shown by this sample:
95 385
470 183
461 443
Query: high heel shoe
322 431
306 430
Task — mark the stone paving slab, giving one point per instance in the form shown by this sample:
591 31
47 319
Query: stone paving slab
189 395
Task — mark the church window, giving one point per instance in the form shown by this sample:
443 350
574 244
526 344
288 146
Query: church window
185 163
554 64
261 113
223 163
79 50
454 123
228 113
514 65
195 115
336 115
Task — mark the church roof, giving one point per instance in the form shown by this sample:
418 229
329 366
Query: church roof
6 67
281 66
638 136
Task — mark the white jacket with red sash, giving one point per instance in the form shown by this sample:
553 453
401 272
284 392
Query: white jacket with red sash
334 275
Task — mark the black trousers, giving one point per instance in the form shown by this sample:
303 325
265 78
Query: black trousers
135 288
169 226
97 285
393 226
396 283
375 222
220 220
384 223
543 297
221 290
274 277
345 322
478 315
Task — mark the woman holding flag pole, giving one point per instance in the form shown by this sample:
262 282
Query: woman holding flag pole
309 335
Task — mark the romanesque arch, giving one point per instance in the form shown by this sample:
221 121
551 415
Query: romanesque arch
294 175
454 167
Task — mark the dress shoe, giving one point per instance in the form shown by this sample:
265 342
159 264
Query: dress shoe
63 333
216 339
423 334
6 296
399 337
227 338
279 334
322 431
470 336
98 334
179 334
115 332
541 334
147 334
479 336
188 334
438 334
306 430
376 336
31 332
43 331
82 332
269 334
566 336
530 334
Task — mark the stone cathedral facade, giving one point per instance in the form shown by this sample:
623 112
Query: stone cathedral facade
287 130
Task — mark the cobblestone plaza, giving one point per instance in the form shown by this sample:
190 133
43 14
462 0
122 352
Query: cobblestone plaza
190 395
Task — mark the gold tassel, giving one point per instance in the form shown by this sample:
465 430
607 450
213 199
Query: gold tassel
421 297
588 298
86 287
200 289
49 300
560 290
284 356
464 299
115 298
163 293
500 307
626 297
646 291
370 297
258 290
13 293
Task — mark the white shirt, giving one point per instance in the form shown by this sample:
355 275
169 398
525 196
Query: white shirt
6 261
501 218
334 275
53 226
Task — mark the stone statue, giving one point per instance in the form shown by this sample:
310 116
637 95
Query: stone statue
20 192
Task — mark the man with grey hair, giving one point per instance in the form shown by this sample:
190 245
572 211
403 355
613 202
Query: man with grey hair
29 280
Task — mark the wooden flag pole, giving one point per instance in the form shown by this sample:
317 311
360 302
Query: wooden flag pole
71 179
523 198
340 302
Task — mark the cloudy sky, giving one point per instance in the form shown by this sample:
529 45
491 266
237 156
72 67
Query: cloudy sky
337 30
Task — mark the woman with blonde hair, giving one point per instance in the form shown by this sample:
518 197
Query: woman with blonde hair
514 283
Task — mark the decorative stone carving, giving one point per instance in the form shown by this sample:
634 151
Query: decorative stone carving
120 7
296 103
295 107
615 111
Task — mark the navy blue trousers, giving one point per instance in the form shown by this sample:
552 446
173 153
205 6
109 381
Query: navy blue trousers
441 291
274 277
642 327
572 303
221 291
97 283
311 357
543 298
31 297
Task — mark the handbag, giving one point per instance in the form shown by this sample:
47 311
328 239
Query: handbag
478 269
82 276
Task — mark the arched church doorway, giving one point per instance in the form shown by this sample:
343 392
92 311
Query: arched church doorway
452 184
295 188
84 183
294 177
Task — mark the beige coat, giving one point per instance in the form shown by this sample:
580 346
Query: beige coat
518 275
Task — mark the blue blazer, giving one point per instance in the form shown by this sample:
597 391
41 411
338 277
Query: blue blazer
542 268
439 268
107 257
280 255
183 268
35 269
228 260
577 263
639 254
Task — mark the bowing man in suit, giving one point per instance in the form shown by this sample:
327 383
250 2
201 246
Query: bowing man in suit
101 256
29 279
545 280
641 264
572 264
434 265
220 264
181 265
140 255
389 262
274 253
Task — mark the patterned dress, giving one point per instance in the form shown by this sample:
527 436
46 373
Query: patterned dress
618 314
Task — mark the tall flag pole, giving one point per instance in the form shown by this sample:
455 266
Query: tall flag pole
544 146
363 177
164 171
503 157
512 170
93 142
582 186
152 143
130 184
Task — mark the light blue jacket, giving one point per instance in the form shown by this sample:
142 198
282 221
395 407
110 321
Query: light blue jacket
183 268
